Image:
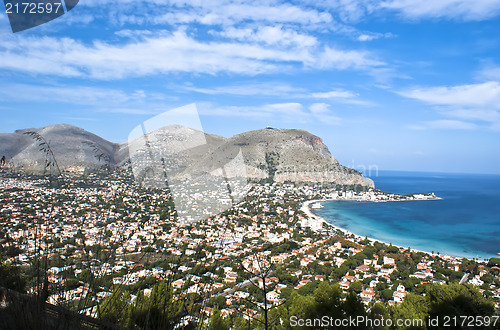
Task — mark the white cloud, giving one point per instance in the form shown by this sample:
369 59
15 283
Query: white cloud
475 102
356 10
341 59
454 9
448 124
278 112
489 72
368 36
270 35
322 112
342 96
249 38
4 24
319 108
222 12
250 89
475 95
161 54
335 94
277 89
277 13
242 16
73 94
348 10
93 98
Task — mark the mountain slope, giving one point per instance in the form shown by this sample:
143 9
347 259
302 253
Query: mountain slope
285 155
71 145
275 154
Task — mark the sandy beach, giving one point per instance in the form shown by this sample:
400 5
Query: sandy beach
306 208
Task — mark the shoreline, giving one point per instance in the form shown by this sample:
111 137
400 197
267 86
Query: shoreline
306 208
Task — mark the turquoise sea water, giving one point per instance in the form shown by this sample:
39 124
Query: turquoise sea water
466 222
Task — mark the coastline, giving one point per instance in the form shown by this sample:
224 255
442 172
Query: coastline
306 208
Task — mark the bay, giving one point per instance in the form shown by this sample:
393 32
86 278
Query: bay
465 223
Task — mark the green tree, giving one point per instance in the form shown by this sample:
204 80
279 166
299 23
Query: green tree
487 278
450 300
239 323
301 306
379 312
116 308
217 322
10 278
158 310
356 286
327 300
456 300
494 261
353 307
412 308
386 294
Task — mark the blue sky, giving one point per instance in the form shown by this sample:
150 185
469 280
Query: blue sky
397 84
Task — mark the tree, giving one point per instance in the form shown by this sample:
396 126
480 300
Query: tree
328 300
356 286
218 302
116 308
487 278
261 270
386 294
158 310
450 300
239 323
494 262
353 307
379 312
412 308
85 276
10 278
301 306
456 300
217 322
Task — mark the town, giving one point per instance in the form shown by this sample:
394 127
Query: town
101 238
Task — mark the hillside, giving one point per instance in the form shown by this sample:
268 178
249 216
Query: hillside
279 155
73 148
284 155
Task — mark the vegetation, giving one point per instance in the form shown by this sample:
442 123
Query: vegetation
124 259
11 277
445 302
157 310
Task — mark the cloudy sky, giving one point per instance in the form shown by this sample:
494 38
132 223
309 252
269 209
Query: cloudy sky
398 84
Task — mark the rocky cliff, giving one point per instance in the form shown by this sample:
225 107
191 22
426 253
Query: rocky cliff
286 155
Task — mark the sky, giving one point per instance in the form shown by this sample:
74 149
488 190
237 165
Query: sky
394 84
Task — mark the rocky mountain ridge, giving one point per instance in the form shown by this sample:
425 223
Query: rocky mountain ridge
278 155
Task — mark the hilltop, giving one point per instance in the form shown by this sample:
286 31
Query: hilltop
280 155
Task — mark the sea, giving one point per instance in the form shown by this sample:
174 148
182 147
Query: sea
464 223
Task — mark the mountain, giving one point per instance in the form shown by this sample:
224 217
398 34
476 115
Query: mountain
279 155
73 148
284 155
